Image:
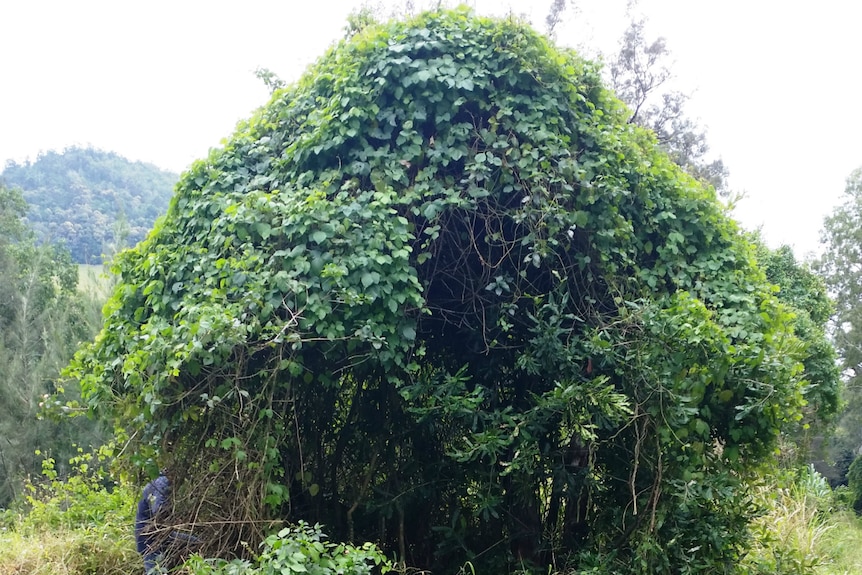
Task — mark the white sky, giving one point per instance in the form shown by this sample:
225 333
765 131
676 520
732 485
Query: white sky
776 83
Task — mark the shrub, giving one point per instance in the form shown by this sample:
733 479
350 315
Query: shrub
300 549
79 525
854 483
86 498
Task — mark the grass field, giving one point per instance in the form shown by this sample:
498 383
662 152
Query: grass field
841 545
94 279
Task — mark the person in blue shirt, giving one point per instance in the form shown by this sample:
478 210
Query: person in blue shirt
150 544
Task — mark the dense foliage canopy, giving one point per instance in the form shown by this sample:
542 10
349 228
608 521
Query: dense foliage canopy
92 201
441 294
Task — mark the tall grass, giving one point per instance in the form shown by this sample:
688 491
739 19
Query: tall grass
806 529
788 537
68 552
841 546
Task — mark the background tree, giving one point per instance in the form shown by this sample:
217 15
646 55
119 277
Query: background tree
555 15
640 75
805 294
441 293
841 269
42 320
78 196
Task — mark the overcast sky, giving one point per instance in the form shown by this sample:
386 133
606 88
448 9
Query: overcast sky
776 83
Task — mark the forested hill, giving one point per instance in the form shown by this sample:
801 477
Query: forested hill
90 199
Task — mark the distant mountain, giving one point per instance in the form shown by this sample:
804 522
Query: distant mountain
91 200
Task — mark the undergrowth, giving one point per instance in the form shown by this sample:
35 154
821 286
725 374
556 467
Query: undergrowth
300 549
841 546
82 525
788 536
807 529
76 525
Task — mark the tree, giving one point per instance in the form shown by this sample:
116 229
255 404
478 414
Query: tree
555 16
12 209
804 292
442 294
640 76
840 266
42 319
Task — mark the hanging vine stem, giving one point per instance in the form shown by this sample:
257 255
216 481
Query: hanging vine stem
639 437
656 489
298 441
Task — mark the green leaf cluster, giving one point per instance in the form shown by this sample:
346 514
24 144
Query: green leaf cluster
440 293
300 549
804 293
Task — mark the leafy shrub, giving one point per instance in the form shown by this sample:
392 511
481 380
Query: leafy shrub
300 549
843 498
86 498
80 524
854 483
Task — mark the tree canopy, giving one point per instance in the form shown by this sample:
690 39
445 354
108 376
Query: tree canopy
88 198
442 294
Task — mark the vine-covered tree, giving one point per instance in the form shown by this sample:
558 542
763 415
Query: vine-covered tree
442 294
85 198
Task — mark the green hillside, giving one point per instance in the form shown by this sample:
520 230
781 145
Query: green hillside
90 199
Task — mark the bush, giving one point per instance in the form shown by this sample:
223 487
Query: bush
842 498
87 498
300 549
854 483
81 524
